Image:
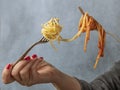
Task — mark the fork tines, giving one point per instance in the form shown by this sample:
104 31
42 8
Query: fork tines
44 40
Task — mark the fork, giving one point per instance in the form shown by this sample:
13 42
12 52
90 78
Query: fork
43 40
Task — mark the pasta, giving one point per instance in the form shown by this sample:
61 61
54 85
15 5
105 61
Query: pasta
51 30
86 24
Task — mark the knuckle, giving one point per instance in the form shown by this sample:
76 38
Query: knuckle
14 74
52 73
29 84
23 84
22 72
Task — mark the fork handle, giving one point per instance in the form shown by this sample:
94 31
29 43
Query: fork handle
26 52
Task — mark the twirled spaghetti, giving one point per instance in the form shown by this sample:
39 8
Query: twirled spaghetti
51 30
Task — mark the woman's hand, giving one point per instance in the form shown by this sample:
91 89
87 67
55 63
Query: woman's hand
31 71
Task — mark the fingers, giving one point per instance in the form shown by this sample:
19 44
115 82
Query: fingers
18 67
25 73
35 65
24 70
6 74
33 75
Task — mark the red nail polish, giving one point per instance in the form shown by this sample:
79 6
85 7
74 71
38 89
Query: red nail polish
41 58
8 66
34 56
27 58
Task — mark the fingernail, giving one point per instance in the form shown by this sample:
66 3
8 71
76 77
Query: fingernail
27 58
8 66
41 58
34 56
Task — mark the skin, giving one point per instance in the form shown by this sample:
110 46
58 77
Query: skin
38 71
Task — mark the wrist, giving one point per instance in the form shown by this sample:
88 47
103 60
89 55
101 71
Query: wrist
63 81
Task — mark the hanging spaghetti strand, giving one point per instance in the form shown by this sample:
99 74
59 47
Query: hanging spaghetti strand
86 24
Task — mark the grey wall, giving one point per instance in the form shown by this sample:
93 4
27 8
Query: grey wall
20 25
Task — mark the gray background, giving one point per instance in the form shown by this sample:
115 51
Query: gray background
20 25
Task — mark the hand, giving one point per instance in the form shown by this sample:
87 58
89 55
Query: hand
29 72
35 70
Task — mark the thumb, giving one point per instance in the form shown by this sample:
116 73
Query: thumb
6 74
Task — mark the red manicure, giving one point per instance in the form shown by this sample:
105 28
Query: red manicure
27 58
8 66
34 56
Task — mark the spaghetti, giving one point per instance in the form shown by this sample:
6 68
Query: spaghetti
86 24
51 30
